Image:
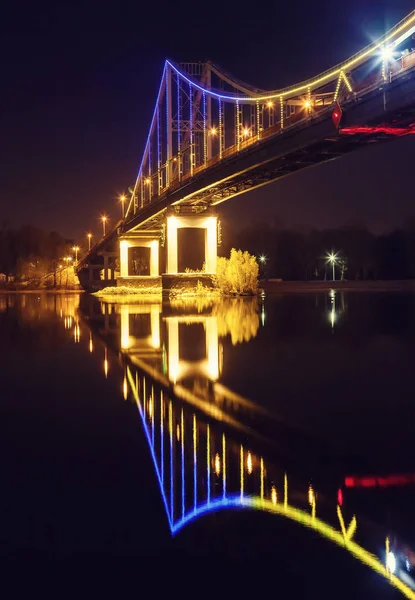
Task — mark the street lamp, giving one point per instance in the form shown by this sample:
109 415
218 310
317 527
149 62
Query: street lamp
332 258
76 250
263 259
122 200
89 236
104 219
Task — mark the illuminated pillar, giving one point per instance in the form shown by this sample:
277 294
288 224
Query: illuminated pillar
172 226
209 223
124 258
137 243
154 258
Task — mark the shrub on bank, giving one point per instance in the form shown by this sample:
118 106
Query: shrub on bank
237 275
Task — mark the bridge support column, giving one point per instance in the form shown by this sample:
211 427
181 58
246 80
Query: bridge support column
206 222
139 261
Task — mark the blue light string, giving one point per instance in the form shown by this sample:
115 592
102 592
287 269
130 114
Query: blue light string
168 116
191 126
194 463
183 472
162 436
179 137
208 463
153 455
204 130
140 170
171 464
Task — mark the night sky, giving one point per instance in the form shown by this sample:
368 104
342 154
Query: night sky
79 82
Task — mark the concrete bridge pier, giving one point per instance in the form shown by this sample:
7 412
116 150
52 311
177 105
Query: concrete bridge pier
139 259
185 255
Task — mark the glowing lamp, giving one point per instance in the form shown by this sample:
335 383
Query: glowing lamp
387 53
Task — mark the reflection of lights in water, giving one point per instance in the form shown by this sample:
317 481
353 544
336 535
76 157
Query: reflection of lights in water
106 363
332 314
311 496
125 388
178 432
263 316
217 464
249 463
272 504
91 345
150 407
391 562
76 333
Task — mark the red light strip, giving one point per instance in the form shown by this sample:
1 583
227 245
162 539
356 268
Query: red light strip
386 129
371 482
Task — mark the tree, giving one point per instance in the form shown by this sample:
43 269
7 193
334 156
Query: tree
237 275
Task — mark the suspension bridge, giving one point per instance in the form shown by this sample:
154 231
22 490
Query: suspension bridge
213 137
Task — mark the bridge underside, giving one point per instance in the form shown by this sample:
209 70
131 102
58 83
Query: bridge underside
385 113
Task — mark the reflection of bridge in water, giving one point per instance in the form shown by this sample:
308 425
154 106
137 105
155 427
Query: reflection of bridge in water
206 457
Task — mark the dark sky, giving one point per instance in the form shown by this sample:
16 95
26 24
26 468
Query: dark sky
79 82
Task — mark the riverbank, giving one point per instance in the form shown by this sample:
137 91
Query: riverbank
281 287
5 292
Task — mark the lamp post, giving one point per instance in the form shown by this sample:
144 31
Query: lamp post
89 236
332 258
76 250
104 219
122 200
263 261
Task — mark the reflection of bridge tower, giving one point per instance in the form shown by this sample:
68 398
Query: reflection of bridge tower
193 347
140 329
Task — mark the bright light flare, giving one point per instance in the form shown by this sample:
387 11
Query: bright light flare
270 104
245 131
262 259
387 53
332 257
213 131
391 562
274 496
307 104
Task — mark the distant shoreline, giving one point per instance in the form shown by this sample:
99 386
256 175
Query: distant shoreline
276 287
280 287
4 292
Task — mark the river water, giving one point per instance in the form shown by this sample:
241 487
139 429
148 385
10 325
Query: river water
212 434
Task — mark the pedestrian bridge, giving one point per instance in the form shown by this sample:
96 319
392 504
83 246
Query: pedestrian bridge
213 137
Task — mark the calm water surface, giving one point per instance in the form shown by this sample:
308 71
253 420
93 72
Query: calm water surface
219 437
